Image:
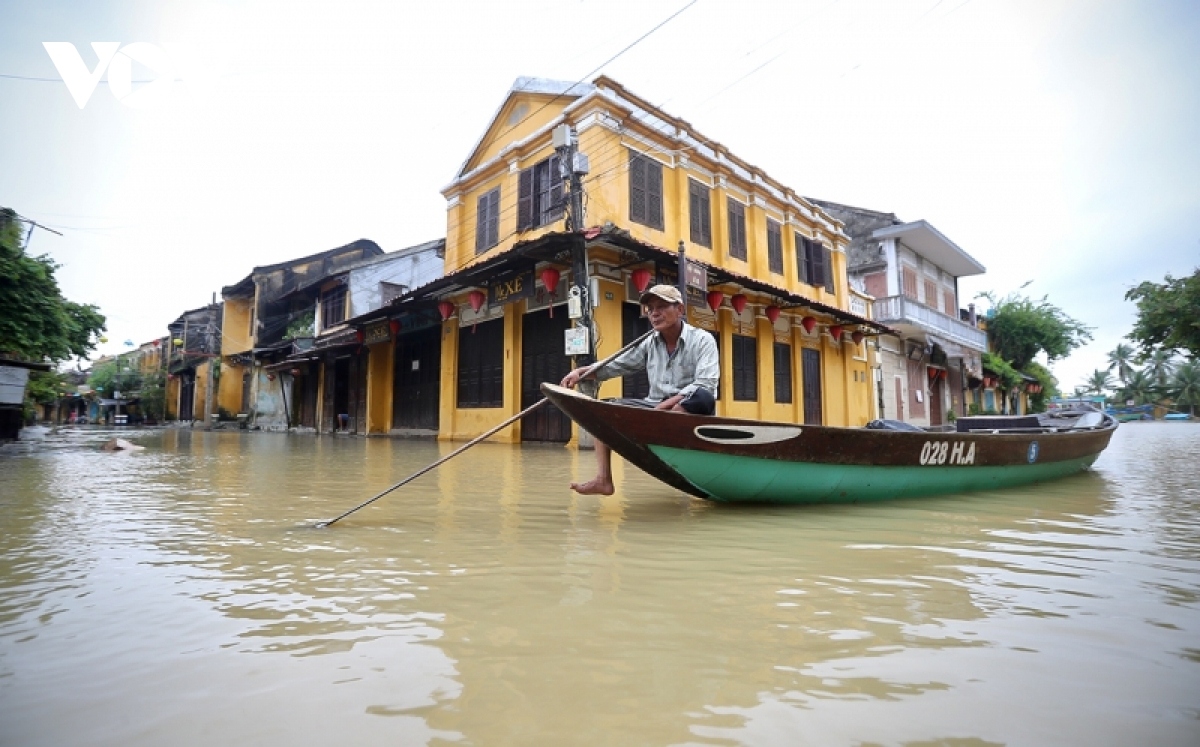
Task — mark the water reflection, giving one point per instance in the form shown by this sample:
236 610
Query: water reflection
485 603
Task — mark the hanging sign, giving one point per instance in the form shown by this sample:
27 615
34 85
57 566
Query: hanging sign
510 287
696 297
377 332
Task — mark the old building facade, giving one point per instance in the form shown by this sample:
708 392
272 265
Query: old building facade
767 267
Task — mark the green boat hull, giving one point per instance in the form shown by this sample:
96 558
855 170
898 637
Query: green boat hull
738 479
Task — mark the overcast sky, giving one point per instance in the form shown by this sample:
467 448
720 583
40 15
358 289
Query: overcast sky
1053 140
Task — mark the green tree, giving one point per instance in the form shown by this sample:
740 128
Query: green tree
1049 385
1019 328
1185 385
154 395
1099 382
1159 366
116 375
1121 358
1168 314
1140 388
38 323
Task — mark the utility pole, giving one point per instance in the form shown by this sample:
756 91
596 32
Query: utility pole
573 165
213 362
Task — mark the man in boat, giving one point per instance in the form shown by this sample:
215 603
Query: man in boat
680 361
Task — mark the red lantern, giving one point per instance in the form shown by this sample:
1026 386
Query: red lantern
714 299
836 332
933 373
476 297
445 308
550 276
738 302
270 377
358 335
296 372
394 326
772 313
808 323
857 336
641 279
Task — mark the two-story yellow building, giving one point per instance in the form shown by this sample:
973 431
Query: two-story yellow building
793 336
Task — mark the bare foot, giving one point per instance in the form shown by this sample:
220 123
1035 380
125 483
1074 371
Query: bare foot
595 486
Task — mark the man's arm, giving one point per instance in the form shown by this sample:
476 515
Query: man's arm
708 365
628 362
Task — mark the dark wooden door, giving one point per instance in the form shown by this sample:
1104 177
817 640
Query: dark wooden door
935 402
543 359
810 361
187 395
633 324
305 393
359 364
418 378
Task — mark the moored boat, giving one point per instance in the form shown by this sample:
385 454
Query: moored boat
736 460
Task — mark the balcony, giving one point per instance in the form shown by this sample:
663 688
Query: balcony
912 318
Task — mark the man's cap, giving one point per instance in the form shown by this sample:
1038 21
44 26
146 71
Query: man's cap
668 293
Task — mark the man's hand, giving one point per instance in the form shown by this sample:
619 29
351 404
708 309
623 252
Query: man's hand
573 378
670 403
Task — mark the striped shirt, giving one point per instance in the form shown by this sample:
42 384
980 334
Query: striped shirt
693 364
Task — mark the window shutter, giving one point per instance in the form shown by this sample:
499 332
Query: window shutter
654 194
802 258
481 223
637 188
525 200
554 210
694 212
774 247
829 286
737 229
816 275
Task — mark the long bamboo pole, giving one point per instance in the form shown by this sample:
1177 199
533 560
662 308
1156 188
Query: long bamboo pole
477 439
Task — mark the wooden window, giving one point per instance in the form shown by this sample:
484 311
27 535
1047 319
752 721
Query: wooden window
931 294
481 365
909 277
802 268
829 286
774 247
737 229
745 368
645 191
487 221
539 195
810 362
333 307
813 262
783 373
700 213
951 306
876 284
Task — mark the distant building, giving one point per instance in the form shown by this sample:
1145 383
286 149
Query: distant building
291 359
194 341
911 271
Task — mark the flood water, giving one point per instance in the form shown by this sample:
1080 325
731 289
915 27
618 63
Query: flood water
182 596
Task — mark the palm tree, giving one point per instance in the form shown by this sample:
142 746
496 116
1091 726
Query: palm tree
1160 365
1185 386
1121 358
1140 388
1099 382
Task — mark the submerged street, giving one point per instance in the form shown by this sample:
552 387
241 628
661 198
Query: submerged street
182 595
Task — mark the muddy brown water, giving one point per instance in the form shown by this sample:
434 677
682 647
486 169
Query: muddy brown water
181 596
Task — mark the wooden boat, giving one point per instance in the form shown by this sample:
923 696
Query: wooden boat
733 460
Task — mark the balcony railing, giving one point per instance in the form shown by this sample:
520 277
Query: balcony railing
895 310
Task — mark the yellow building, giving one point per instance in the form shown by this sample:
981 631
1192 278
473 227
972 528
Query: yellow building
791 332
